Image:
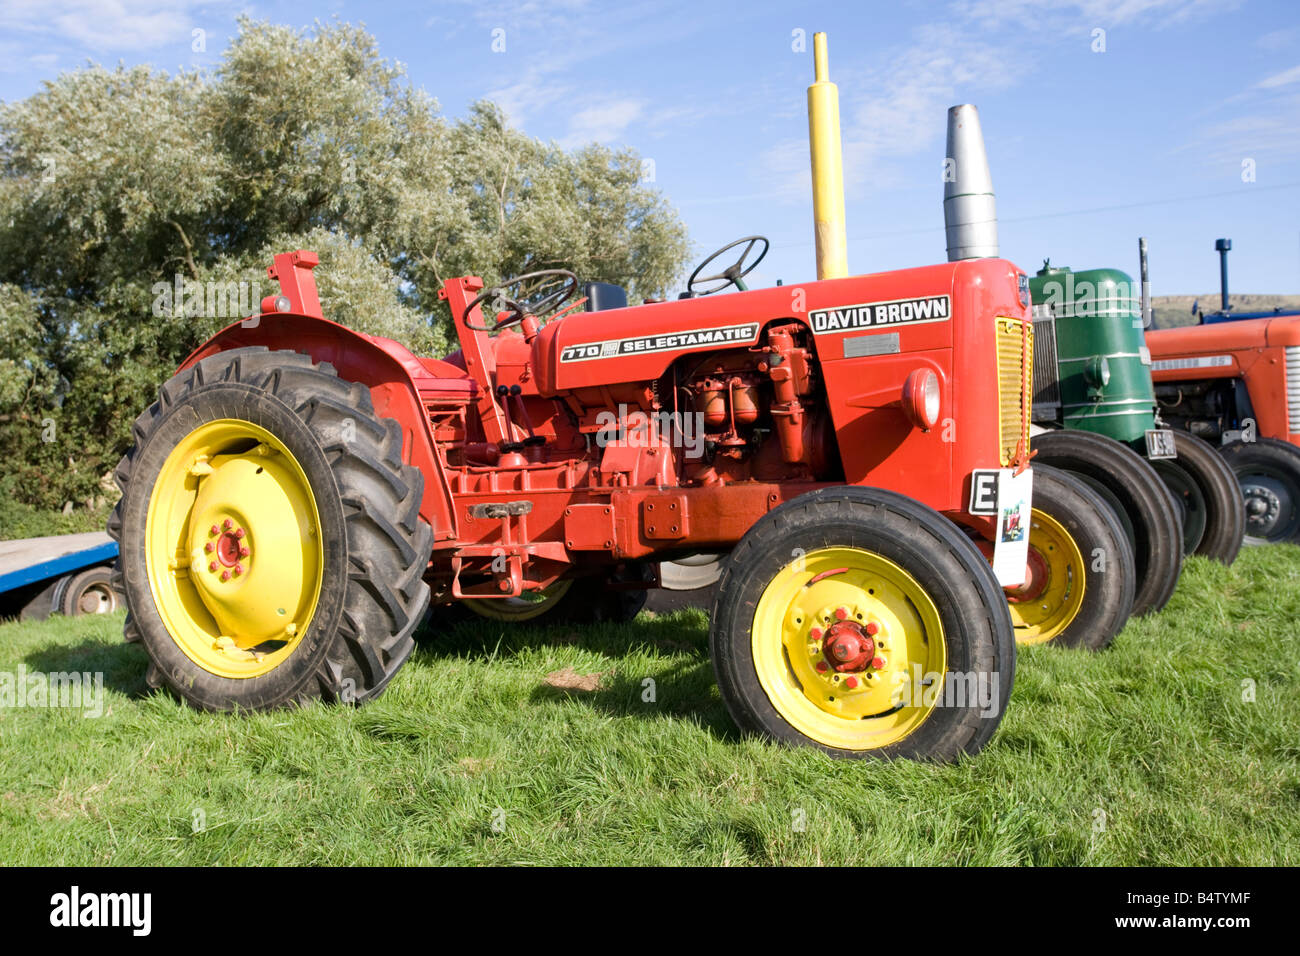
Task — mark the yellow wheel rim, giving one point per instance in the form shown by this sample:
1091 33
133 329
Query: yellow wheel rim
233 550
1053 595
522 608
885 689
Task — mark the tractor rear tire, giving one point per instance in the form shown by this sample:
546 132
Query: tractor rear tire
1134 490
1082 592
315 521
1268 471
901 583
1208 498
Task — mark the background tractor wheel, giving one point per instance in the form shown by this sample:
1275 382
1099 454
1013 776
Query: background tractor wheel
1268 472
863 623
587 600
1080 586
1208 497
271 545
1133 489
88 592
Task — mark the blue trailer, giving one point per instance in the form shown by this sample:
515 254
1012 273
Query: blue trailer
64 574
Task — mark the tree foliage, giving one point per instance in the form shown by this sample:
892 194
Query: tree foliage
118 183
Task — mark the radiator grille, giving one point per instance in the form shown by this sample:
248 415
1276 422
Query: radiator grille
1047 382
1293 387
1015 345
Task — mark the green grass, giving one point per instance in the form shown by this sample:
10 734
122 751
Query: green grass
1153 733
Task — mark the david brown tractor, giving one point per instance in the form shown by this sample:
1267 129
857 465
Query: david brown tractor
300 492
1088 568
1234 380
1094 412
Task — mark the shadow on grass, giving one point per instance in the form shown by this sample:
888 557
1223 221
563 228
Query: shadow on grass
123 665
676 681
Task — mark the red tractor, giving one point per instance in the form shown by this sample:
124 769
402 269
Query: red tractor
1234 380
300 493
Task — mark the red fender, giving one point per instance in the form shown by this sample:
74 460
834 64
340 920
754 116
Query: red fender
389 370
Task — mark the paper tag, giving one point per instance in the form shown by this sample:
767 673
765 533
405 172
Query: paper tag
1011 537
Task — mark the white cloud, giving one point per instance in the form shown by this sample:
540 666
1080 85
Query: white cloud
105 26
602 123
1285 78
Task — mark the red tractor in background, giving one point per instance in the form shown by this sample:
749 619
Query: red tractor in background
1234 380
300 492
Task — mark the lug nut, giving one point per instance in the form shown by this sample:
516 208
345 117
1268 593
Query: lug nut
243 552
878 663
226 524
815 633
872 628
239 569
841 612
212 565
225 575
239 532
208 547
850 682
213 530
821 667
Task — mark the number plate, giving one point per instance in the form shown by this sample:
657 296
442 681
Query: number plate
1160 443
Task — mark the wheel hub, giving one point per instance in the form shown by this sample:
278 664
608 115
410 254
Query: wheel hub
849 646
1263 508
1036 579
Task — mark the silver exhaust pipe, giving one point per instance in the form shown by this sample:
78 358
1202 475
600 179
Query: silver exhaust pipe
970 215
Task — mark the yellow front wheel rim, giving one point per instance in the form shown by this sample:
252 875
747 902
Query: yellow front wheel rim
233 549
892 675
1053 594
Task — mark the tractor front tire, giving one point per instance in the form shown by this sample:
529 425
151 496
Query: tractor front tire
863 623
1208 496
1268 472
271 545
1134 490
1080 589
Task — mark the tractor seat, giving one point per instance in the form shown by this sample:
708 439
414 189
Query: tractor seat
604 295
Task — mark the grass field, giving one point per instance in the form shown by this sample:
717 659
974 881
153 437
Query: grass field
1144 754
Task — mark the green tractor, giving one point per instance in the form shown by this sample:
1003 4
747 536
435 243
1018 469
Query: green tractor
1095 415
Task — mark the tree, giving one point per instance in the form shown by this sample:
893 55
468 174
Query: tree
120 186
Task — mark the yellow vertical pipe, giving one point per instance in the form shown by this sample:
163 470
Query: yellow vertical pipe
827 168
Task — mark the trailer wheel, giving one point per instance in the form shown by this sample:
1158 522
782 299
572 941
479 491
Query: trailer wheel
271 547
1133 489
89 592
865 624
1208 497
1268 471
1081 580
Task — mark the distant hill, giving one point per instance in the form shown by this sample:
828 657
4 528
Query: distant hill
1171 311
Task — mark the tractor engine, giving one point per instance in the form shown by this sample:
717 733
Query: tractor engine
757 414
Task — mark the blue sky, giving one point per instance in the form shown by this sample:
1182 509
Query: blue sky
1089 148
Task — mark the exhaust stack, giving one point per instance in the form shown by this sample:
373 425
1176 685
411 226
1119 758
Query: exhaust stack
1222 246
827 168
1146 282
970 214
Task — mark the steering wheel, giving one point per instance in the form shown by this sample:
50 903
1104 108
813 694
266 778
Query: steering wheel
535 298
730 275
